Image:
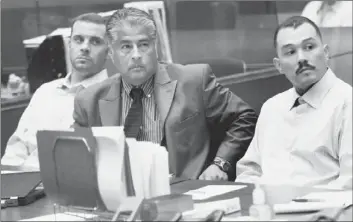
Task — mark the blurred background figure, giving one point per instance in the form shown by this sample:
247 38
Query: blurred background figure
329 13
47 63
16 86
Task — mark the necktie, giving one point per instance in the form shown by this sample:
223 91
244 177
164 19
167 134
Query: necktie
130 189
299 101
133 120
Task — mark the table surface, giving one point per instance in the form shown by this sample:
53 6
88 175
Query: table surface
275 194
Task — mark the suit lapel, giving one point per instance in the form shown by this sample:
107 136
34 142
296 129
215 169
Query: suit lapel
109 106
164 92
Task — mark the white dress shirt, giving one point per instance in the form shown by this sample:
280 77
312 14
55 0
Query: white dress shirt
323 15
51 107
307 145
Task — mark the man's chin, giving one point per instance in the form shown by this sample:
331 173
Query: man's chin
83 67
137 78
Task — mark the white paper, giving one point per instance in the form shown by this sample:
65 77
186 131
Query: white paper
201 209
340 197
298 207
212 190
9 172
18 171
149 166
317 201
160 180
110 153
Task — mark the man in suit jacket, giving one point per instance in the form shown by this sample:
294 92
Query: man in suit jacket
205 127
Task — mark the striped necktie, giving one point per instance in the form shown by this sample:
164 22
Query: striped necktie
133 120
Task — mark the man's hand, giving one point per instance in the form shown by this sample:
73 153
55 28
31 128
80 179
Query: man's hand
213 173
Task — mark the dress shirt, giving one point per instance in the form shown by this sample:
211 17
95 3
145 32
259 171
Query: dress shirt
324 15
151 129
310 144
51 107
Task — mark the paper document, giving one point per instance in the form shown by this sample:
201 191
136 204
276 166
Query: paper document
212 190
8 172
316 201
148 162
340 197
201 209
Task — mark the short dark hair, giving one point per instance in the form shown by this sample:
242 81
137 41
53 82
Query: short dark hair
295 22
89 17
133 16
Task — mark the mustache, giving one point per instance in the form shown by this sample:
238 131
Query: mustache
304 66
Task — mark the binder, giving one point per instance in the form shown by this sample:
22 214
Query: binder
68 169
68 166
20 188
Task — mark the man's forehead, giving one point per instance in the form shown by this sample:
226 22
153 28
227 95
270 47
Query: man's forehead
290 35
127 32
88 29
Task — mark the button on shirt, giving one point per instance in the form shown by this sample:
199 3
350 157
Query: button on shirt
150 129
310 144
51 107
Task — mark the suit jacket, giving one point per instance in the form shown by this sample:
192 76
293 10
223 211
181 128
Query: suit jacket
200 118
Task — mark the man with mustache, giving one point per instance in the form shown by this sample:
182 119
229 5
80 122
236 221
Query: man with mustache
204 126
303 135
52 103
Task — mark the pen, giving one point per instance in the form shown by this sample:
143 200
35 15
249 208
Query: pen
303 200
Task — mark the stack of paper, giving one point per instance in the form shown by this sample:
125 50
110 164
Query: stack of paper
109 162
212 190
149 166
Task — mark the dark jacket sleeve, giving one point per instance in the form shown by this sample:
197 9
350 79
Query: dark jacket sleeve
230 120
79 114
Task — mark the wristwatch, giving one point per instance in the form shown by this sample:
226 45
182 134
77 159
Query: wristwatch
224 165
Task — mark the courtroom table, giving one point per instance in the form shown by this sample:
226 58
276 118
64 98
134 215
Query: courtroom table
275 194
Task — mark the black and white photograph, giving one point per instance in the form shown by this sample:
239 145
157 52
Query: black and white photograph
176 110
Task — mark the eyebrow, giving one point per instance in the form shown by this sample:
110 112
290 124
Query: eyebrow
130 41
305 40
96 37
89 36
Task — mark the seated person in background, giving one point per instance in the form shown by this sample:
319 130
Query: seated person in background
52 104
303 135
204 126
329 13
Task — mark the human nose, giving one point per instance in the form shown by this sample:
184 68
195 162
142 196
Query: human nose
301 56
85 47
136 53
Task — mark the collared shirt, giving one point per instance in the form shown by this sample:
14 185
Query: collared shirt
310 144
151 129
324 15
51 107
